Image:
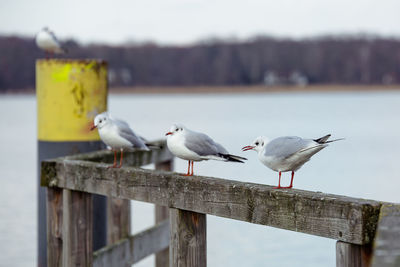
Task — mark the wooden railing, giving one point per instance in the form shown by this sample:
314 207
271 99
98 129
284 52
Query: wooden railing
368 231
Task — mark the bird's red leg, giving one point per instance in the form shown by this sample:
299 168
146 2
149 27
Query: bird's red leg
279 183
115 160
188 172
120 160
291 180
192 168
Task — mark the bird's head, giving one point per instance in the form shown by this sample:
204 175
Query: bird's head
100 120
258 144
176 129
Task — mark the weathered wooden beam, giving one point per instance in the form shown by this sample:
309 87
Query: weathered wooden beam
338 217
135 158
118 219
350 255
130 250
77 228
188 245
387 240
162 213
54 226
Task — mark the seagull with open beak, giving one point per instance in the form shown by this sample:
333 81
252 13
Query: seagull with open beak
287 153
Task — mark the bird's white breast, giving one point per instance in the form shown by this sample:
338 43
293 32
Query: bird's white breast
46 42
176 144
109 135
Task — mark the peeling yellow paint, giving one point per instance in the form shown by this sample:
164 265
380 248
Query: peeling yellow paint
69 94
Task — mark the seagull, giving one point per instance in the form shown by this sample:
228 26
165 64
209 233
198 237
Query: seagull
193 146
47 41
287 153
118 135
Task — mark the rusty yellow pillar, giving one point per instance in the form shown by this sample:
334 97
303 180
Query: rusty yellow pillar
69 95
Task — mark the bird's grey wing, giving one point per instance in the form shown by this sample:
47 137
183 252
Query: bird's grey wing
201 144
53 36
126 132
221 149
284 147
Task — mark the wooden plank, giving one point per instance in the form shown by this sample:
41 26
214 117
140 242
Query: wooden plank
387 240
54 226
162 213
342 218
133 249
350 255
131 158
188 245
118 219
77 228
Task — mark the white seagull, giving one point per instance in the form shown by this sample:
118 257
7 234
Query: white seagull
47 41
193 146
118 135
287 153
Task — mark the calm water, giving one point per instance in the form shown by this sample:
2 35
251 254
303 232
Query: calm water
364 165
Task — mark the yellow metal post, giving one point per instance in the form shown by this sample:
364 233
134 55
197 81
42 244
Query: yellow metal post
69 95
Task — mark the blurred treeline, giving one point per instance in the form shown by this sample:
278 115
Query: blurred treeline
263 60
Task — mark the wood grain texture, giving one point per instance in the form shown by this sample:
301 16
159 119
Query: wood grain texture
130 250
77 228
131 158
342 218
54 226
118 219
387 240
161 214
188 245
350 255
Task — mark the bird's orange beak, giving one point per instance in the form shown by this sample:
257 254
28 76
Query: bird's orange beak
169 133
93 127
245 148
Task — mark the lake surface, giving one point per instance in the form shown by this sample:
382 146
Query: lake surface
363 165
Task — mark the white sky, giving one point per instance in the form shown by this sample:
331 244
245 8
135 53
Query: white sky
185 21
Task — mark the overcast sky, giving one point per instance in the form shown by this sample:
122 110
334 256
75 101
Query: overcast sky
185 21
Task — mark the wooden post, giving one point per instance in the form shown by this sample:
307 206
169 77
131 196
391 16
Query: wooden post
387 239
55 224
161 214
350 255
118 219
77 228
69 94
188 247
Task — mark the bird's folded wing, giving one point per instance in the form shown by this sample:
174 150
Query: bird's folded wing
285 147
126 132
201 144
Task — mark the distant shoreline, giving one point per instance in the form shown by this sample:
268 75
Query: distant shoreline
232 89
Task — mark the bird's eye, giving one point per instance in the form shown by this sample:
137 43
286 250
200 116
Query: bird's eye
262 144
256 143
105 118
100 121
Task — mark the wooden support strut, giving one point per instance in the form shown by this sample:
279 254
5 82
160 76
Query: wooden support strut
161 214
188 246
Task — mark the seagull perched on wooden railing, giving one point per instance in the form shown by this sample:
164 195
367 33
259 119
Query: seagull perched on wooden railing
118 135
287 153
47 41
193 146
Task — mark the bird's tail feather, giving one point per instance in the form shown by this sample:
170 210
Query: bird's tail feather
153 145
330 141
233 158
324 139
